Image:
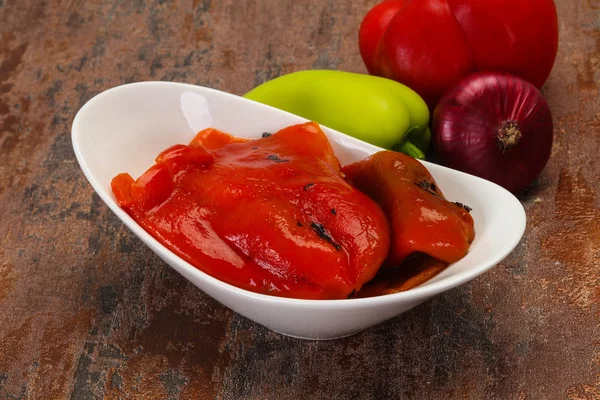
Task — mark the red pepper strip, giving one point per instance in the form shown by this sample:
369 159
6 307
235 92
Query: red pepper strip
422 220
416 270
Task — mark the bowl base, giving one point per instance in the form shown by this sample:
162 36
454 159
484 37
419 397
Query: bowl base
316 338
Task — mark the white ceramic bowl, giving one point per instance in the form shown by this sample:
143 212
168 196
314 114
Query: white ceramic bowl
124 128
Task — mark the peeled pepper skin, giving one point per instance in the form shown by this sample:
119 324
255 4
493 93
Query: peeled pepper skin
421 219
271 215
377 110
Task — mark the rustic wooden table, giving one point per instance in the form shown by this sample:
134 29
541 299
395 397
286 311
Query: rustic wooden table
86 311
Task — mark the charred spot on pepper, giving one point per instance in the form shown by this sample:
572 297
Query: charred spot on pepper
307 186
333 211
273 157
429 187
425 184
255 148
461 205
299 224
266 134
323 234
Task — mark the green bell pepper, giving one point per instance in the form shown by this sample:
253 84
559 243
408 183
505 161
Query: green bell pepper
376 110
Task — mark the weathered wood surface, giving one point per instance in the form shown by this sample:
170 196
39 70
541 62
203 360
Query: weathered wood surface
86 311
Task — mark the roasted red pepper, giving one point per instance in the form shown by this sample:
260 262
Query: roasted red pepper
414 271
422 220
272 215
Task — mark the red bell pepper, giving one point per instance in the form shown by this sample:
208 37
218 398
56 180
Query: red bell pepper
429 45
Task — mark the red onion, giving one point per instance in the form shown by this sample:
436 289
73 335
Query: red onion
496 126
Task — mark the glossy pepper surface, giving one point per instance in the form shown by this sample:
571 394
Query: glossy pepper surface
377 110
271 215
430 45
421 219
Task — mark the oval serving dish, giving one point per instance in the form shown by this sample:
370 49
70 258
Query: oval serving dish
124 128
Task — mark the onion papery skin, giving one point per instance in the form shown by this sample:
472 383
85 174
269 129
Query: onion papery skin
468 119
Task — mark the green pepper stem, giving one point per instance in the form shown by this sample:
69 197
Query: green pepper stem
412 150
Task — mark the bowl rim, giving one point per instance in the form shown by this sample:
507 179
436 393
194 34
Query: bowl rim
420 292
